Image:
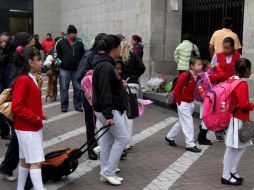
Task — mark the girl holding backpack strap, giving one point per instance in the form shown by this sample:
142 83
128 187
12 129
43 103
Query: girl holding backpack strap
240 107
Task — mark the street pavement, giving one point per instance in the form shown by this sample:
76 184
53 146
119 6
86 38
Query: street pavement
151 165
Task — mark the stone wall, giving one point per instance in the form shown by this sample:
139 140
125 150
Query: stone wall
46 17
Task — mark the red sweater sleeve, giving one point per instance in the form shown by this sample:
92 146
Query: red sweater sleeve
179 86
242 94
218 76
18 101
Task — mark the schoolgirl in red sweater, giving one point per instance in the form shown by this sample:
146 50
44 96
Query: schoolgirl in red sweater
227 59
28 115
184 96
240 102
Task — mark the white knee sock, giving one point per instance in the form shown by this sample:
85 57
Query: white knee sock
227 162
36 178
238 153
23 173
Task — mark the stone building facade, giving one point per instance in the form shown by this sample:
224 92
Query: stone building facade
159 22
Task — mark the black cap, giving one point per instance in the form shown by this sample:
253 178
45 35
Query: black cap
72 29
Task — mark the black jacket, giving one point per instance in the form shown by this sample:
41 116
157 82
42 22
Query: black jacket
68 56
108 90
85 64
133 69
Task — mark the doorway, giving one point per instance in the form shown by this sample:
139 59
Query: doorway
20 21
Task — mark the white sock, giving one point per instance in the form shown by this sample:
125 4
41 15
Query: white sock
238 153
227 163
36 178
23 173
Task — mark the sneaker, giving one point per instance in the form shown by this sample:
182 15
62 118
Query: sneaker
220 138
118 170
92 155
64 110
79 109
194 149
113 180
10 178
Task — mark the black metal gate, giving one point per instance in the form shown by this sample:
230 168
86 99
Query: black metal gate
202 17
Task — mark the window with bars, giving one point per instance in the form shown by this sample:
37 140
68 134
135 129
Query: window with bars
202 17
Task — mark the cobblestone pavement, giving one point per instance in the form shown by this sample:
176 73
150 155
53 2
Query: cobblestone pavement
150 165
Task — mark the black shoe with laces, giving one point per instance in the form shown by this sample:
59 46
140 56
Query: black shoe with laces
194 149
171 142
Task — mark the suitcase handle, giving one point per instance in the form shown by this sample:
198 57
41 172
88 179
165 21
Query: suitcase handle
107 127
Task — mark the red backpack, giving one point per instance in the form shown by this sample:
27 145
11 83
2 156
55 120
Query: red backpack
216 112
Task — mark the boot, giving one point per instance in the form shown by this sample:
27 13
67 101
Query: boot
202 140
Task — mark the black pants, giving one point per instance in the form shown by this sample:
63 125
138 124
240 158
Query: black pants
90 124
4 127
11 158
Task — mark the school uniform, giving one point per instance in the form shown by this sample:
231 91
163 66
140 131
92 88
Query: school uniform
234 147
27 110
184 95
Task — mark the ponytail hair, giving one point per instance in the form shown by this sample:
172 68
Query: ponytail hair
108 43
241 66
21 59
137 38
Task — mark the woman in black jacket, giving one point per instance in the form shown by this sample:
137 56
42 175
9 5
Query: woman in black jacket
132 70
108 102
86 64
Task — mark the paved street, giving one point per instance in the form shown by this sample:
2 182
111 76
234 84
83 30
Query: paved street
150 165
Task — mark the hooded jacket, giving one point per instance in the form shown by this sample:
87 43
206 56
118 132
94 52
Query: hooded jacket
133 69
108 90
68 56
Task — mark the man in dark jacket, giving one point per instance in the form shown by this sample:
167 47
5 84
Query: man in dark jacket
68 52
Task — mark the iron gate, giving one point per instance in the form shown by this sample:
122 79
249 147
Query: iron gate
202 17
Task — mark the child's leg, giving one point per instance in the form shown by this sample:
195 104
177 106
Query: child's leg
36 177
23 173
174 131
185 111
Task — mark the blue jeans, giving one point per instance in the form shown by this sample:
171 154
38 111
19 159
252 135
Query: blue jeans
65 78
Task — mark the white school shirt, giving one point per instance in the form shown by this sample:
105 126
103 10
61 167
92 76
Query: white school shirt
34 78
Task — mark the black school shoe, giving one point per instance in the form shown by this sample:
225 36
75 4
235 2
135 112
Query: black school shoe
194 149
236 178
171 142
92 155
228 182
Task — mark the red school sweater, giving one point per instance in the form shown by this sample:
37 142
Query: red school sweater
184 89
240 99
229 69
26 104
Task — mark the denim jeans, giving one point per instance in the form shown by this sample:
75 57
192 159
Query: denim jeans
65 78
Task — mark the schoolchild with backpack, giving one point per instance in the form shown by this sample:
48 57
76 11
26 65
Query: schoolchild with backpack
226 60
210 76
240 107
184 97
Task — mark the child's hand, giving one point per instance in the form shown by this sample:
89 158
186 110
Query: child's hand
44 115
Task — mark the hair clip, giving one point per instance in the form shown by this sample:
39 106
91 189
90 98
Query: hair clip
19 49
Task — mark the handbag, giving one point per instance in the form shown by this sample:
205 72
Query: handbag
246 132
132 111
5 104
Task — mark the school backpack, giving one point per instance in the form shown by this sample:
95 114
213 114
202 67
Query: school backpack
87 86
170 101
216 112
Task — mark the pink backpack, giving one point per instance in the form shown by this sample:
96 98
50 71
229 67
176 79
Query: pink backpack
216 114
87 86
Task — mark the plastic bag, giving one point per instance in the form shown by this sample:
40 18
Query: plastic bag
155 83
